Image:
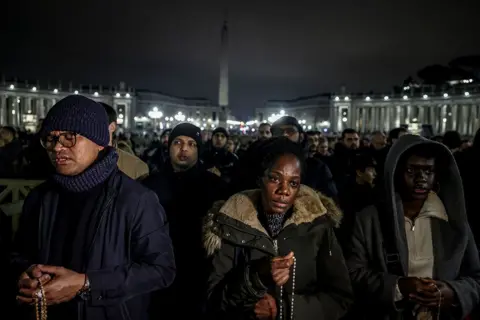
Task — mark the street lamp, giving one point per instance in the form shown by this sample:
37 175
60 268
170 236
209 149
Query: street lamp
155 114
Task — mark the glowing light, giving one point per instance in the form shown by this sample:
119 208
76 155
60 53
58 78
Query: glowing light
12 87
96 94
117 95
344 119
34 89
367 98
444 120
127 95
76 92
155 113
180 116
386 98
55 90
337 98
347 98
445 95
467 94
405 97
425 96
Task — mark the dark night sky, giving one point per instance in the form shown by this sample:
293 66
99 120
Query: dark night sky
278 49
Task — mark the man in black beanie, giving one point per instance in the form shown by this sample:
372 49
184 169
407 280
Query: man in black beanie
97 240
218 158
318 175
186 190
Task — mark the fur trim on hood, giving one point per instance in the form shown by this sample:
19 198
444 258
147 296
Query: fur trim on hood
308 206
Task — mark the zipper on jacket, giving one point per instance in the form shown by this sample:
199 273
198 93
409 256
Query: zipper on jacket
275 246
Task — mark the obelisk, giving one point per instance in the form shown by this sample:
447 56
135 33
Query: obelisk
223 84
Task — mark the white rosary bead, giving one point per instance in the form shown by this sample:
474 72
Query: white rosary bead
292 303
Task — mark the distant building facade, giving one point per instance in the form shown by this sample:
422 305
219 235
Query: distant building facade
24 104
456 108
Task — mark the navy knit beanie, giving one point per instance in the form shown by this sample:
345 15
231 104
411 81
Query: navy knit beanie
80 115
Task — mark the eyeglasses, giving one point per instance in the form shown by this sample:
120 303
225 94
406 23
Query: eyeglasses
66 139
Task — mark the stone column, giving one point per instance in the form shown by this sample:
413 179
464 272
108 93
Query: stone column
421 115
3 110
454 122
40 106
473 119
126 116
388 117
15 112
443 115
364 119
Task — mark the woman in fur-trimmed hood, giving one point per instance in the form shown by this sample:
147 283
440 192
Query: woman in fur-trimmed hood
273 250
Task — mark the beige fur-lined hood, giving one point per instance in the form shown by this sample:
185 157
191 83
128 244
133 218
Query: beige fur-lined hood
308 206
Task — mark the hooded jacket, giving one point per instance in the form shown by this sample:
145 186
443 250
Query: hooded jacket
234 239
456 260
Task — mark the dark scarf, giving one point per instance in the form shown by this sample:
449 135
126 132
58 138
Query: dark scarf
97 173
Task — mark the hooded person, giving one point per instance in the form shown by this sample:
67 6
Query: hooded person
413 255
273 250
186 190
217 158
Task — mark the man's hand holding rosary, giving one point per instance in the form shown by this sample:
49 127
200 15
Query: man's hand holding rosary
426 292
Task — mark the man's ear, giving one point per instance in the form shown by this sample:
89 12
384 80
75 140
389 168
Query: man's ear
301 137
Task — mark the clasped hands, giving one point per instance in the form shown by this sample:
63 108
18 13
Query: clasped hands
427 292
60 284
278 271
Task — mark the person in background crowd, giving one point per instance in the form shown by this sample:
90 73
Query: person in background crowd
273 250
10 153
157 154
312 142
218 158
186 190
379 141
413 254
317 173
396 134
452 140
264 131
365 143
38 164
231 145
466 143
343 157
322 148
96 239
358 194
128 163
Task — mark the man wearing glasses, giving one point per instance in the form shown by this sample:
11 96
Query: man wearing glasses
318 175
97 240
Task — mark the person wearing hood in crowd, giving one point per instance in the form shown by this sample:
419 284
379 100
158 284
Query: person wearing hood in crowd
413 255
218 158
92 243
186 190
317 174
273 250
128 163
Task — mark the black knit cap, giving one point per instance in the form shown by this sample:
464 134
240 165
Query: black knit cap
187 130
81 115
221 130
288 121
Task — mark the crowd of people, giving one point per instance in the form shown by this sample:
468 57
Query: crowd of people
288 225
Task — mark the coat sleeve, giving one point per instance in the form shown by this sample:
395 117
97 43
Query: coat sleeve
152 264
369 284
230 290
467 286
336 294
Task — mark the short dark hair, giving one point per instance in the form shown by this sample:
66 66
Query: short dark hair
348 131
394 133
111 113
452 139
363 161
273 149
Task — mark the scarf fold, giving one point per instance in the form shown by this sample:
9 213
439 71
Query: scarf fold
94 175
